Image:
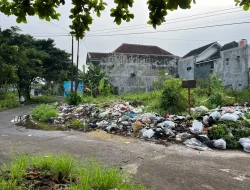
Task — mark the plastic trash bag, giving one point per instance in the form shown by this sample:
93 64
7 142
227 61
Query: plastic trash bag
148 133
215 115
230 117
167 124
195 144
137 126
142 131
103 114
201 109
245 142
197 127
220 143
168 132
182 136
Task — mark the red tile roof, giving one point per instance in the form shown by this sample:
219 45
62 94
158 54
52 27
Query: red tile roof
141 49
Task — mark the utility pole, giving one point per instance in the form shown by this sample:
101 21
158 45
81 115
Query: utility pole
77 63
72 69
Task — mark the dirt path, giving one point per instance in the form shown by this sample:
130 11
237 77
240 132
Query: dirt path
157 166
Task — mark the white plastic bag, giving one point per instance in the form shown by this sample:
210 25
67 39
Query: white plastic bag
148 133
215 115
220 143
245 142
197 127
230 117
201 109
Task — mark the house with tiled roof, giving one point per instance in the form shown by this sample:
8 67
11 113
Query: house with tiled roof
134 67
229 61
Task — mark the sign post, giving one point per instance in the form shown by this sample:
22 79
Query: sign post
189 84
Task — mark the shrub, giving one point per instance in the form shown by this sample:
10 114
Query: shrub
174 97
44 111
239 129
77 123
73 98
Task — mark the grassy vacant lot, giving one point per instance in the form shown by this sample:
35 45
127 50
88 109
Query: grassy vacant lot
62 172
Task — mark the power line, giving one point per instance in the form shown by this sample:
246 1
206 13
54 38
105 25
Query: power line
163 24
59 27
145 25
174 30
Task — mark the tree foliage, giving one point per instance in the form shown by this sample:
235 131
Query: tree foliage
95 80
83 10
24 59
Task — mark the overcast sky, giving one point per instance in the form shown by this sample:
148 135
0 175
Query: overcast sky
103 36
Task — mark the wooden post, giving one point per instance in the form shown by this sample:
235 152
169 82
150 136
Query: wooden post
189 84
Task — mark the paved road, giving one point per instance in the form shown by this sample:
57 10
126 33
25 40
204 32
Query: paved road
173 167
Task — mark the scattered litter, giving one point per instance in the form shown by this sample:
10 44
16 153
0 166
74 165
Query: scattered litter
245 142
196 127
29 135
195 144
240 178
124 119
220 143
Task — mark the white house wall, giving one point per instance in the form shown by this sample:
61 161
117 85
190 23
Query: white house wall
183 72
235 73
206 54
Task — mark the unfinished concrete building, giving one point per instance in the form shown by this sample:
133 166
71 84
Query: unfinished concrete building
133 68
231 62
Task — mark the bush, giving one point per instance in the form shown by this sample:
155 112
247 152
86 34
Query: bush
73 98
239 129
43 112
8 100
174 97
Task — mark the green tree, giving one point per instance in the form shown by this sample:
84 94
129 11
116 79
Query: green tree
24 60
94 79
82 11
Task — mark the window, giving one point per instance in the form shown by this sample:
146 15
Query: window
238 59
227 61
212 65
189 68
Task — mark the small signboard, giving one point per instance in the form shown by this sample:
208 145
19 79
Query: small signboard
189 84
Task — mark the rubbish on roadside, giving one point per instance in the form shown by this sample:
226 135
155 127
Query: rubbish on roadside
196 127
205 140
201 109
220 143
167 124
137 126
148 133
182 136
245 142
230 117
215 115
195 144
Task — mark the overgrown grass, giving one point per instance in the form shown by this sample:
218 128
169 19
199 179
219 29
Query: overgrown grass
43 112
81 174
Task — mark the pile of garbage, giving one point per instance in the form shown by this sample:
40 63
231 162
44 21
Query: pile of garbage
122 118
